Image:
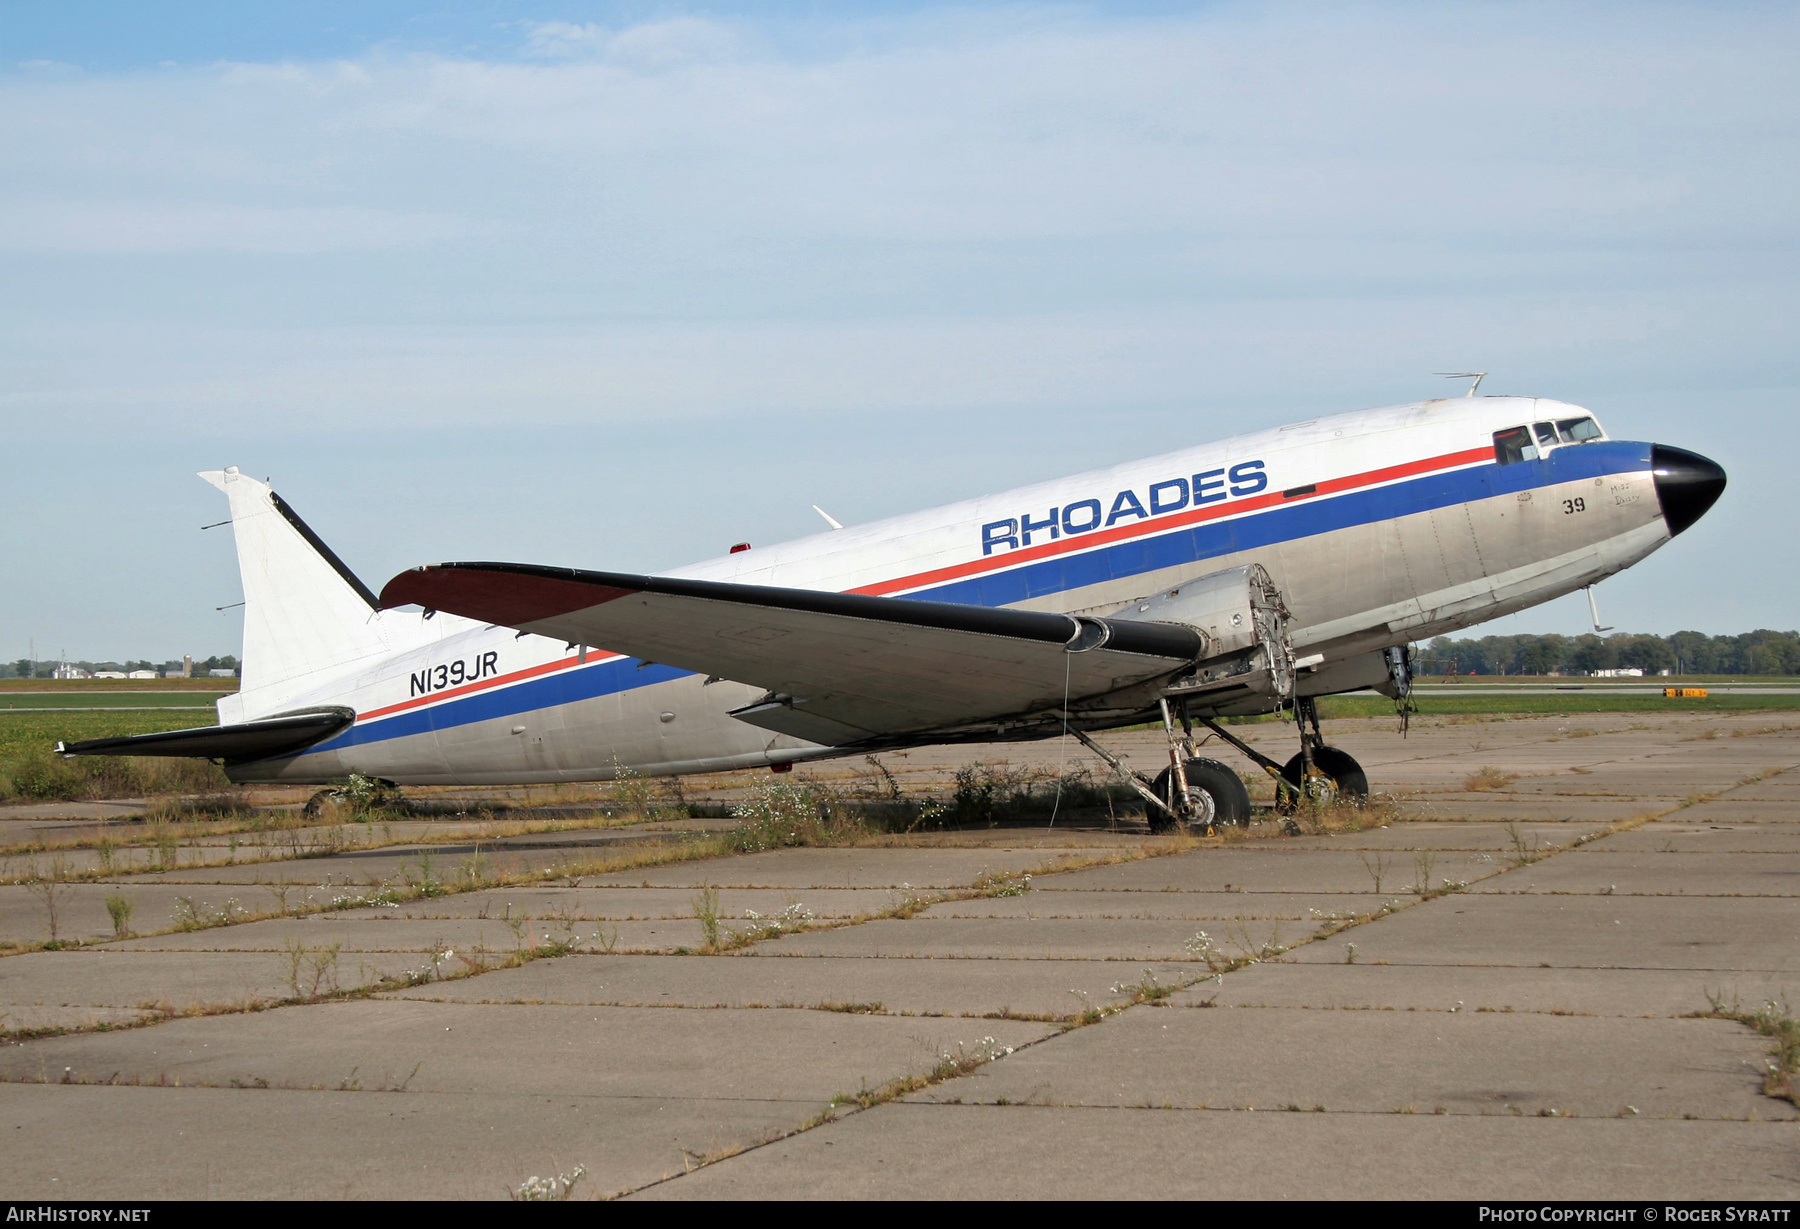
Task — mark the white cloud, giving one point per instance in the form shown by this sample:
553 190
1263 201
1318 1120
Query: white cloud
999 209
141 227
650 45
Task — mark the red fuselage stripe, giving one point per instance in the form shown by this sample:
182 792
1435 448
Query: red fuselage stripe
1013 558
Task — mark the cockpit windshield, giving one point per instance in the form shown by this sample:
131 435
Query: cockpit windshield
1514 445
1577 430
1528 443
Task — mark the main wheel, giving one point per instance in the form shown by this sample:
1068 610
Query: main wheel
1338 776
1217 794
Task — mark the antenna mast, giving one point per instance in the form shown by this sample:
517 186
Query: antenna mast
1477 376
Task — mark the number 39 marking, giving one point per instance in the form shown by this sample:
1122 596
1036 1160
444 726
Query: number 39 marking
1574 505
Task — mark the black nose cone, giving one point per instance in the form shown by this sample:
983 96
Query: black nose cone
1687 484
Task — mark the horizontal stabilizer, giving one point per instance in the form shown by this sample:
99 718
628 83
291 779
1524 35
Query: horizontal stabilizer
264 739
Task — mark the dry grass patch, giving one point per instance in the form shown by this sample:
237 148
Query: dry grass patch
1488 779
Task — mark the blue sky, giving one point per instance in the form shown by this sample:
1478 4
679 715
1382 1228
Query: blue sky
618 285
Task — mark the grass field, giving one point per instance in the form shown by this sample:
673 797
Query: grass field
1552 701
25 701
30 770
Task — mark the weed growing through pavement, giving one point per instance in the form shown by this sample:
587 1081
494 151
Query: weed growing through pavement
168 847
1524 851
793 918
315 967
383 898
518 924
427 883
51 888
706 910
909 901
190 916
1487 780
548 1190
1423 861
1201 947
991 885
1776 1021
1376 866
1145 989
119 909
781 814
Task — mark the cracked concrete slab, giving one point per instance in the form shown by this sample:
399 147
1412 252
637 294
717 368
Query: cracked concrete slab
1672 932
207 1143
1115 939
1018 1152
1447 987
1390 1062
643 1066
1601 869
936 987
504 1049
1269 867
1190 906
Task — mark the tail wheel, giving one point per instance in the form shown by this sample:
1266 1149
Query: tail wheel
1335 776
1216 793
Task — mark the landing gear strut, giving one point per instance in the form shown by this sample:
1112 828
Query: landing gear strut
1192 792
1319 773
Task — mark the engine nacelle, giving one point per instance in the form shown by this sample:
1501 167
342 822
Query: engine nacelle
1244 624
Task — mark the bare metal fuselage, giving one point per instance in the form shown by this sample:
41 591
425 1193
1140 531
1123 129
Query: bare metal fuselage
1379 528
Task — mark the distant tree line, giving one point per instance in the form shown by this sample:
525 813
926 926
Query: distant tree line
1758 652
25 668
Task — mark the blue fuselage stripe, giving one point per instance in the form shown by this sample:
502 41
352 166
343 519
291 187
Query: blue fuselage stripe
1153 552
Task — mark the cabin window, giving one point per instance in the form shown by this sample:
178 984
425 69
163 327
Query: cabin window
1513 445
1577 430
1546 434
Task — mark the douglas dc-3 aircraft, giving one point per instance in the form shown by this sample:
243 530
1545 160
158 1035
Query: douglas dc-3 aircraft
1250 575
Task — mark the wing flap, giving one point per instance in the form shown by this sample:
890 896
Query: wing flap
264 739
874 665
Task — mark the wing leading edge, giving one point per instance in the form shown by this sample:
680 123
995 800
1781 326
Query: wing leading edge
840 668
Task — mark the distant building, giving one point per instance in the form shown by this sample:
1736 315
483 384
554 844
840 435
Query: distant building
107 674
67 671
1623 672
221 674
141 674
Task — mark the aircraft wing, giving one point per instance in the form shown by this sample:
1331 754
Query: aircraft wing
841 669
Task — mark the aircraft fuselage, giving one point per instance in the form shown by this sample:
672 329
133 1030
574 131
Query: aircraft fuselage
1379 528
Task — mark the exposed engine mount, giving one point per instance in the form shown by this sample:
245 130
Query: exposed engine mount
1244 625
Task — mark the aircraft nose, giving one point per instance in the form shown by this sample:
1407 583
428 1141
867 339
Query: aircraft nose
1687 484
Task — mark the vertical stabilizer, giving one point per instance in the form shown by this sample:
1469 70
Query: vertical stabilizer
307 618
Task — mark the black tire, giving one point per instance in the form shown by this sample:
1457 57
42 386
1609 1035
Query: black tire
1230 800
1346 774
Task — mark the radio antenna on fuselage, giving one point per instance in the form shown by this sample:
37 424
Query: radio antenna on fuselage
1477 376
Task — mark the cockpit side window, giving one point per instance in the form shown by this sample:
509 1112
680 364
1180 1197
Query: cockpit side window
1577 430
1546 434
1514 445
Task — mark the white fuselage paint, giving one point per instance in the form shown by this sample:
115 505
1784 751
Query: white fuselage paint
1412 530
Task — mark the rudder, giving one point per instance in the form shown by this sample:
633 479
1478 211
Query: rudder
307 617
